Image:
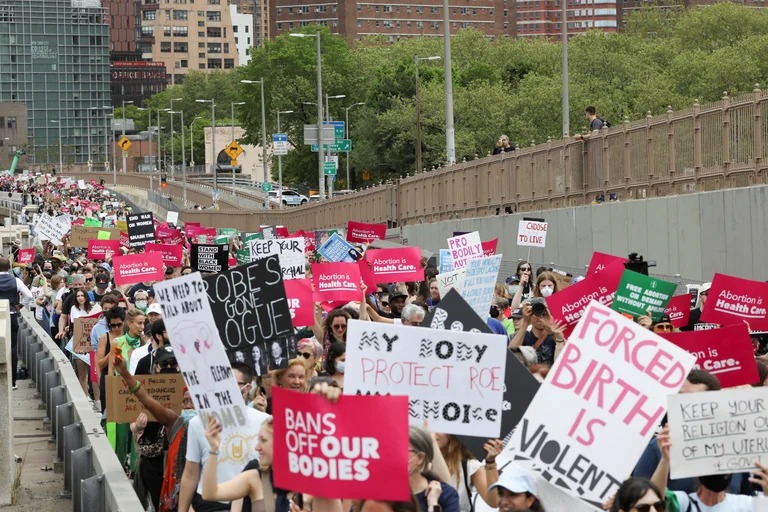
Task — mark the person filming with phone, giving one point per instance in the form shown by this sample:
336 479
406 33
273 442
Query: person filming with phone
539 330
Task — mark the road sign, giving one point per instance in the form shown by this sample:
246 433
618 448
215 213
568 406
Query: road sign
366 175
266 187
233 162
234 150
329 168
310 134
340 146
280 143
124 143
338 128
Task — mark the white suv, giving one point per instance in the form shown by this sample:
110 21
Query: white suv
290 198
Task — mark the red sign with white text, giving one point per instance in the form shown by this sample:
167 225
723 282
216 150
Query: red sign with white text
26 256
726 353
332 451
192 232
98 249
733 299
299 295
172 254
124 240
396 265
600 260
365 233
137 268
679 310
489 247
336 282
282 232
568 304
366 274
168 235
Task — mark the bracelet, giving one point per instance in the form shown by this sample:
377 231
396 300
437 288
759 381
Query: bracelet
491 466
212 452
135 388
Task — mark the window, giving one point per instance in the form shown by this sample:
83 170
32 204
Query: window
433 10
166 30
247 29
435 25
419 24
165 46
214 31
214 47
180 31
359 23
201 35
420 9
201 45
214 15
214 2
229 63
200 23
183 63
180 47
149 15
226 47
147 30
202 64
280 11
234 29
214 63
201 56
180 15
167 14
279 26
200 14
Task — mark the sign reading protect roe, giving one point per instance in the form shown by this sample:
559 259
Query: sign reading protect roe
531 233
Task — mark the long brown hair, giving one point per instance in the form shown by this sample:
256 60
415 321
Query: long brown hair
454 454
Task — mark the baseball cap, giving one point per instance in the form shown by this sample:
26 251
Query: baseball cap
102 281
106 267
518 313
154 308
516 479
512 280
705 287
164 354
394 291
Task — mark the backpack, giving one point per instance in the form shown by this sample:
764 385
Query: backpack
169 492
606 123
693 505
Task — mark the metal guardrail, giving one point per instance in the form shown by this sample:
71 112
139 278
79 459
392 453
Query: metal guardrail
94 479
163 202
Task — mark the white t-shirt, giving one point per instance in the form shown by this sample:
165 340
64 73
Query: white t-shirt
238 447
473 465
76 312
137 355
731 503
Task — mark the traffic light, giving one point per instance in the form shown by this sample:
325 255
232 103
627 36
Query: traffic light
163 183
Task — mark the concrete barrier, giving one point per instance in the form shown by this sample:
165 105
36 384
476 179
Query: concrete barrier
94 479
7 463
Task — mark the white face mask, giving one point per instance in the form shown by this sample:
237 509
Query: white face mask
512 289
340 366
546 291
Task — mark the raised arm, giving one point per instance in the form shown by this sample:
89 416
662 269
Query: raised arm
164 416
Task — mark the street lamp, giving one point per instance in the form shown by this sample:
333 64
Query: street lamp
450 141
263 135
61 155
320 150
149 129
418 110
183 155
107 118
191 145
346 130
232 121
213 145
328 116
173 160
280 163
125 154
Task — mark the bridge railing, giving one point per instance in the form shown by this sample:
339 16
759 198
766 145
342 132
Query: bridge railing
706 147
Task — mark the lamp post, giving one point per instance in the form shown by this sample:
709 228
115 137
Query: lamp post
88 114
232 121
564 65
418 110
263 135
149 129
280 163
173 159
107 117
346 133
61 154
191 145
331 179
125 154
450 141
183 160
320 150
213 145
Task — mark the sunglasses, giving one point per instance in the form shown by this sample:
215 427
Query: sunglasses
339 326
88 279
659 506
305 355
115 326
663 328
525 269
704 294
384 303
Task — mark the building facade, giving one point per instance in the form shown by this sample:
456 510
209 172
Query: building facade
13 133
259 9
242 27
55 59
543 18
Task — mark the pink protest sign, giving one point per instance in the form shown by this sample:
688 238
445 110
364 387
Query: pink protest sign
365 233
679 310
733 299
395 265
336 282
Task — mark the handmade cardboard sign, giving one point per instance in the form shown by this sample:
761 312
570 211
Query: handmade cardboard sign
480 283
465 247
81 334
453 280
299 295
717 432
733 299
726 353
289 250
124 407
98 249
679 310
209 258
137 268
532 233
336 282
638 294
141 229
360 232
332 451
454 380
610 385
395 265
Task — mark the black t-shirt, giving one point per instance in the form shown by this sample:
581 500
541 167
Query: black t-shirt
546 351
135 288
596 124
695 323
282 501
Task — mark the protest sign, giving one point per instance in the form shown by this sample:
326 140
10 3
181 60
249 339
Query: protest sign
52 228
732 300
330 450
137 268
454 380
26 256
172 218
172 254
81 334
81 234
141 229
98 249
365 233
268 232
531 233
209 258
168 235
395 265
480 283
290 252
453 313
726 353
243 256
453 280
249 303
717 432
124 407
445 263
568 304
610 385
200 353
194 232
299 295
638 294
465 247
489 247
600 261
336 249
124 240
366 274
282 232
90 222
679 310
336 282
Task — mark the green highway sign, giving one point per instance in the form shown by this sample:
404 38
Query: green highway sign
266 187
329 168
340 146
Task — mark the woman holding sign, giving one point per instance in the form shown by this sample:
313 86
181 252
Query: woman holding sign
82 307
468 473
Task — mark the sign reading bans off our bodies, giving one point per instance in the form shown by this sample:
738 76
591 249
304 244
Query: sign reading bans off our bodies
610 385
453 379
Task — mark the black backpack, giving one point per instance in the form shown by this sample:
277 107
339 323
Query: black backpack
606 123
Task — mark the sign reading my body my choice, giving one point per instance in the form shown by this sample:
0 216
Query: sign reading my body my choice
141 229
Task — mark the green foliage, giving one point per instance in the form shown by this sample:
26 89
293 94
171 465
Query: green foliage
666 56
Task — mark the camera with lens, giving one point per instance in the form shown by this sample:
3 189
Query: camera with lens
538 306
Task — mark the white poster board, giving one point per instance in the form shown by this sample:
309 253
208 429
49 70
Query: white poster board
465 247
604 396
531 233
289 250
480 283
454 380
717 432
172 218
52 228
453 279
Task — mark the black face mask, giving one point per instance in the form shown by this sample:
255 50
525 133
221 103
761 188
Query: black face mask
169 369
715 483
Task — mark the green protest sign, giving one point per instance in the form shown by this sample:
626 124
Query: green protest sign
243 257
103 235
221 239
247 237
90 222
637 294
226 231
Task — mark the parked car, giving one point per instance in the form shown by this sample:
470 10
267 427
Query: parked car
290 198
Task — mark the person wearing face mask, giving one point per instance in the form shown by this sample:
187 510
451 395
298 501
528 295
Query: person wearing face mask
546 285
141 301
133 290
